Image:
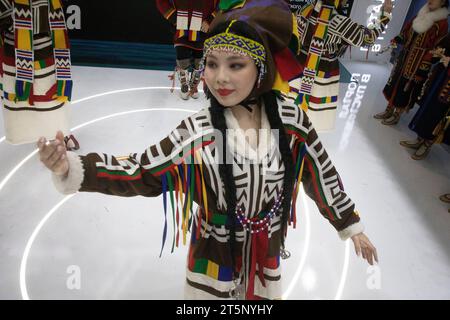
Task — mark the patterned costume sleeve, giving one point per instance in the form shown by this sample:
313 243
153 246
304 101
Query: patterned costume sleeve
320 179
174 167
160 168
5 14
167 9
301 21
355 34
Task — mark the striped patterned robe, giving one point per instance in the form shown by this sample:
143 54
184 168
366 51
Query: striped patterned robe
25 122
342 32
159 170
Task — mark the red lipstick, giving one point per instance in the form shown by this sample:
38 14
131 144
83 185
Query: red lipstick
225 92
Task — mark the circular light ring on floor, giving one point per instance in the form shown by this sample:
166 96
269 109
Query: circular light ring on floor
48 215
113 92
23 263
344 271
301 264
14 170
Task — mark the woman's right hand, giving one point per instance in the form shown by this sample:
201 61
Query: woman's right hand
53 154
387 6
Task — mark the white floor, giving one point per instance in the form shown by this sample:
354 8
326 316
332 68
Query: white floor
92 246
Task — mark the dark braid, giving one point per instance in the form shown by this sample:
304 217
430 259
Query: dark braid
271 108
226 173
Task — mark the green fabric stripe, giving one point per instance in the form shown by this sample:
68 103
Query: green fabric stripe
219 219
118 173
42 64
293 128
185 150
316 172
200 266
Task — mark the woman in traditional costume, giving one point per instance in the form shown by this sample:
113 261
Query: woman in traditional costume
241 160
432 121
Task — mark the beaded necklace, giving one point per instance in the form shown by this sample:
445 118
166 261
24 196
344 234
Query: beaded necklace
258 224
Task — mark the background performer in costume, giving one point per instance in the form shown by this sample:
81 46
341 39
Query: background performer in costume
322 42
432 121
418 37
191 19
36 83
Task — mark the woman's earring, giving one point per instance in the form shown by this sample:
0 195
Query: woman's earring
260 75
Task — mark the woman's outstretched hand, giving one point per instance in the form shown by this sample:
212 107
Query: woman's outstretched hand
53 154
365 247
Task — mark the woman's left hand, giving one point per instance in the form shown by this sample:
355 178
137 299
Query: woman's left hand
365 247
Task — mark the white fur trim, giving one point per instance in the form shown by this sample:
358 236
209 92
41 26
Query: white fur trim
426 18
71 183
351 230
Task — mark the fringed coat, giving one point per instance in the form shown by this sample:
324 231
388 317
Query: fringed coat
340 32
184 168
34 89
187 17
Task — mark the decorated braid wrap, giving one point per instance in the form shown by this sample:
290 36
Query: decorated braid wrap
23 31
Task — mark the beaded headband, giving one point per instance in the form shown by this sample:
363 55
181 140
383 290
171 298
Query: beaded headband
233 43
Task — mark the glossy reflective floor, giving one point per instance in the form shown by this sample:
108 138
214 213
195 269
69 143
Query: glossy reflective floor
91 246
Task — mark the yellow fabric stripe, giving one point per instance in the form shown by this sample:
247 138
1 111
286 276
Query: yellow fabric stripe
280 84
24 2
212 270
60 39
296 33
56 4
326 12
300 175
321 31
313 59
11 96
24 39
179 199
307 10
304 105
170 13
